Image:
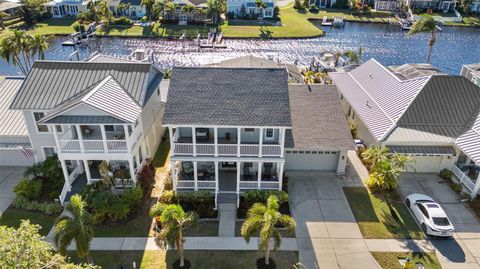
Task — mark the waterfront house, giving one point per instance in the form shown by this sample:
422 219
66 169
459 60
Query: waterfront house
471 72
416 110
11 7
243 8
436 5
199 14
388 5
15 148
237 129
65 8
90 111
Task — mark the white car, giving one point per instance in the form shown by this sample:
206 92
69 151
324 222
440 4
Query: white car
429 215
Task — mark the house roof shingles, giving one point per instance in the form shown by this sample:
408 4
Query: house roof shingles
318 120
228 97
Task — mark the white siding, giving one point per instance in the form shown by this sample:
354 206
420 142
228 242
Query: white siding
38 139
319 161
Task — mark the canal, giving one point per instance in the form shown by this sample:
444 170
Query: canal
389 45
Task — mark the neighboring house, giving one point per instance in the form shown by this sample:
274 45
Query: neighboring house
241 8
136 8
11 7
87 112
475 6
388 5
323 3
472 72
419 111
236 129
65 8
15 148
294 75
198 15
440 5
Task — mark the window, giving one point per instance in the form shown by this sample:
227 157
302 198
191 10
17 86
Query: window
441 221
109 128
349 110
249 130
423 210
40 127
59 128
268 134
48 151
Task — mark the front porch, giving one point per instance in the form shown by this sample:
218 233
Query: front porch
468 173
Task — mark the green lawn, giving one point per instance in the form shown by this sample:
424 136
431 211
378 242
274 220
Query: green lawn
389 260
157 30
283 232
200 259
202 228
471 21
54 26
12 218
375 218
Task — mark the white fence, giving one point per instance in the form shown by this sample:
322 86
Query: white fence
463 178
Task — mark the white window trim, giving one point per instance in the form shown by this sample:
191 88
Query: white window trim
36 124
43 151
269 137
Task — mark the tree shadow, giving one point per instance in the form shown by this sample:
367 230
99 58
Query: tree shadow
265 32
163 149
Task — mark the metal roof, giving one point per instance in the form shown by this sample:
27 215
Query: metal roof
247 61
15 145
424 134
12 122
102 58
228 97
50 83
318 121
69 119
422 149
6 5
410 71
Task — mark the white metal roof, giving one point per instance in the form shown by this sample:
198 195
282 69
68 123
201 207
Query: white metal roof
11 121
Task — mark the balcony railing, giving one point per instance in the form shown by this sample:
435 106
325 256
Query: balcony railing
463 178
227 149
68 146
117 145
93 145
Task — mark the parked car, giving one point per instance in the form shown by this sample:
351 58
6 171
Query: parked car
429 215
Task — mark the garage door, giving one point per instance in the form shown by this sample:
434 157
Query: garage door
426 164
14 157
311 160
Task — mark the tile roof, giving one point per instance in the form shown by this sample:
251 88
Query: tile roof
228 97
318 120
11 121
50 83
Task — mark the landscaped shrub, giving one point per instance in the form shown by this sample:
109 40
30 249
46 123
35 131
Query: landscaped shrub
30 189
122 21
200 201
46 208
261 196
146 176
231 15
144 19
168 184
50 174
78 27
167 197
446 174
133 197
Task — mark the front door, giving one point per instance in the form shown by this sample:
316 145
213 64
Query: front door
227 177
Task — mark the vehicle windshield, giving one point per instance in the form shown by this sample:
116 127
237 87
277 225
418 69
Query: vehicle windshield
441 221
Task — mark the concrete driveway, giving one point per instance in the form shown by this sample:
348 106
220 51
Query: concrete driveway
327 233
463 251
9 178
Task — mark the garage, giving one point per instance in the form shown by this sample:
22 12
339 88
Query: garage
12 155
426 159
311 160
425 164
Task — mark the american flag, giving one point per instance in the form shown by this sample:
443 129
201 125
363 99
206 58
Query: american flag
27 152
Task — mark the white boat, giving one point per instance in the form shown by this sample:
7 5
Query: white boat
325 21
406 25
338 21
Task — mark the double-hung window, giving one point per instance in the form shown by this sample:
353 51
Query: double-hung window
48 151
41 128
269 134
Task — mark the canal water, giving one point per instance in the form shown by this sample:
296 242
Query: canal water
388 44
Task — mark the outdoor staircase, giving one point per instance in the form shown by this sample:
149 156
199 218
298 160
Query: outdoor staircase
227 211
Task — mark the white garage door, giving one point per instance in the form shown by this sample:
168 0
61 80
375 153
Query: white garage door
426 164
311 160
14 157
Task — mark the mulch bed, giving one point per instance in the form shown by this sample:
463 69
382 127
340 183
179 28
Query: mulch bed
242 209
261 264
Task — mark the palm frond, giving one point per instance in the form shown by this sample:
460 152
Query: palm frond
287 222
251 226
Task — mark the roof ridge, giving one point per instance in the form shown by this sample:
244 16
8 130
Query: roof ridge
88 62
390 72
232 68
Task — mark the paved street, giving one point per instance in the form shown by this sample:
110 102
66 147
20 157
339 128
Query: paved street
9 178
463 251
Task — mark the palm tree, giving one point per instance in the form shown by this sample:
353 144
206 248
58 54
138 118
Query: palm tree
3 17
148 6
426 25
374 154
215 8
104 12
174 220
122 7
78 227
384 176
261 5
92 5
263 219
402 161
39 45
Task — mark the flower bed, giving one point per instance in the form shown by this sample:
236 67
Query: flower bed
249 198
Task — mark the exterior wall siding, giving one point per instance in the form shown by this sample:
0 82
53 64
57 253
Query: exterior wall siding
38 139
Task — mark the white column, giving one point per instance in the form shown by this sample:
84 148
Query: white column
87 171
55 135
132 170
238 178
104 138
127 136
215 138
239 138
259 178
467 160
342 162
280 176
80 138
194 141
80 164
65 173
174 175
260 143
195 175
476 188
282 142
172 147
216 178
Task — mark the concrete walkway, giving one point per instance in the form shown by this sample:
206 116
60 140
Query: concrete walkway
226 224
10 176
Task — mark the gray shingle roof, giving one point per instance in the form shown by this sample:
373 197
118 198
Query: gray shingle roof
317 118
228 97
11 121
50 83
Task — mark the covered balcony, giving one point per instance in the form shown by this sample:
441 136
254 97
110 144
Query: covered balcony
232 141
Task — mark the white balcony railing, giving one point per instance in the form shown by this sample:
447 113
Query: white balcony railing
206 184
248 185
117 145
463 178
69 145
249 150
185 184
271 150
227 149
93 145
205 149
183 149
269 185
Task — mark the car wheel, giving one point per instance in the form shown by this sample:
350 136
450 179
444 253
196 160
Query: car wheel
424 228
407 202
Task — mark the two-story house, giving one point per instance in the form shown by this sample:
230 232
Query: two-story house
243 8
471 72
87 112
236 129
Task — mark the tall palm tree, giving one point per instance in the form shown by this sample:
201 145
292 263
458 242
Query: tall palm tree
122 7
148 6
104 12
3 17
426 25
39 45
260 5
78 227
174 220
215 8
263 219
374 154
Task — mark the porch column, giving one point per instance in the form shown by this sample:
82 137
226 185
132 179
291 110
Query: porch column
80 165
127 136
238 178
215 138
55 135
170 134
282 142
216 177
260 143
174 175
65 173
239 138
195 175
194 141
280 176
467 160
87 171
132 170
259 176
476 188
80 138
104 138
